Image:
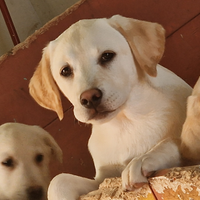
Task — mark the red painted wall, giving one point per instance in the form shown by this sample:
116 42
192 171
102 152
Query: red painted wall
181 20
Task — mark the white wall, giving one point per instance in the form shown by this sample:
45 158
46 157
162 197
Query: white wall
28 16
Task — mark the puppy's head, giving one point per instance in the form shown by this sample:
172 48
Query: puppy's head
96 63
25 152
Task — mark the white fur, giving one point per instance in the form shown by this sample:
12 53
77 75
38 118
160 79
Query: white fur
146 109
21 144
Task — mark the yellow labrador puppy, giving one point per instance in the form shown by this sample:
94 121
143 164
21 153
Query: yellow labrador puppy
25 152
190 137
108 69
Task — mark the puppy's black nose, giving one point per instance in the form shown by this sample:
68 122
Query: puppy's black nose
91 98
35 193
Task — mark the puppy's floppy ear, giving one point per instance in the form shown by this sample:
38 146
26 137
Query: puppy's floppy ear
196 89
190 136
193 102
146 40
56 151
43 88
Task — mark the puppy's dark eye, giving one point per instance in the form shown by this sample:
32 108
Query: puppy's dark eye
9 162
39 158
66 71
106 57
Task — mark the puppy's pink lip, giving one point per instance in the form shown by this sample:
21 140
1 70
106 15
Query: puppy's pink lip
104 115
100 115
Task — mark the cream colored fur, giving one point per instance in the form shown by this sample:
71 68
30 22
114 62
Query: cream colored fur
137 126
25 153
190 137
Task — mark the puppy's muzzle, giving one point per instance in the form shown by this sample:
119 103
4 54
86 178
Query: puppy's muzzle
91 99
35 192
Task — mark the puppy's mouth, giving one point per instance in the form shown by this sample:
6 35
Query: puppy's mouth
98 115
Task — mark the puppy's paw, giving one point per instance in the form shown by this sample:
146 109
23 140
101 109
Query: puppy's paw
149 166
70 187
132 176
63 186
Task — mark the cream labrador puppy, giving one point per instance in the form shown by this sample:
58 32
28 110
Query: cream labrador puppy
190 137
25 153
109 71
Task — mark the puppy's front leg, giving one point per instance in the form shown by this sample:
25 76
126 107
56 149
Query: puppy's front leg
164 155
70 187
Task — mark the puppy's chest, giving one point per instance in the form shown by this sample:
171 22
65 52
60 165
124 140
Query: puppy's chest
117 145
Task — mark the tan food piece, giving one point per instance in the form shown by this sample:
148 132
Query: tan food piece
111 188
178 183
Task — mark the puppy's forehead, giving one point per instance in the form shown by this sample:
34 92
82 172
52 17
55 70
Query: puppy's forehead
92 33
18 134
21 143
84 29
